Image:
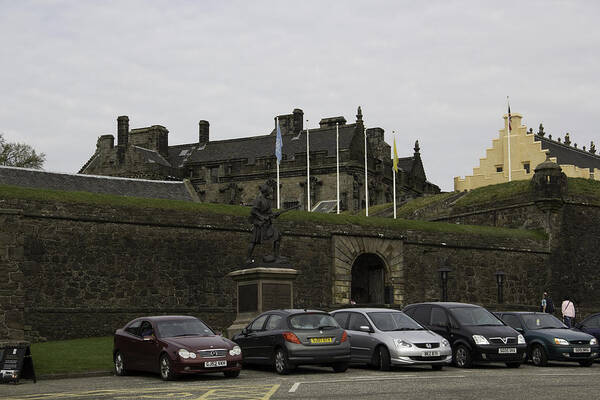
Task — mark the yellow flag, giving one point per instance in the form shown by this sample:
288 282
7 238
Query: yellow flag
395 156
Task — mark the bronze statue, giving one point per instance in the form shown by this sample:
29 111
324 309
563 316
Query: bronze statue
263 229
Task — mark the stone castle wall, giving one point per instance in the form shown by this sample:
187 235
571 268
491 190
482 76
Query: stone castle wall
77 270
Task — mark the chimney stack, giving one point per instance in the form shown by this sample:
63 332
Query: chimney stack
203 132
122 130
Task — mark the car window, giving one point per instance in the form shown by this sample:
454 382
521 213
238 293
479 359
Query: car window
146 329
258 323
542 321
313 321
512 321
182 327
438 317
274 322
134 327
422 314
394 321
475 316
341 318
593 323
356 321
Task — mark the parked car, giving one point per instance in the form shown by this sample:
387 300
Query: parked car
474 333
590 325
382 337
173 345
287 338
549 339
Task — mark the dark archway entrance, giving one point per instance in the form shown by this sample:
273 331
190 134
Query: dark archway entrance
368 280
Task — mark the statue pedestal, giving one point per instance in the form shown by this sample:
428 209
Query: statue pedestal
261 289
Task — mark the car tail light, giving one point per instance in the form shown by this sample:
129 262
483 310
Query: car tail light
344 337
290 337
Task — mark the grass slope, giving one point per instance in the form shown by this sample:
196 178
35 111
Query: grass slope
77 355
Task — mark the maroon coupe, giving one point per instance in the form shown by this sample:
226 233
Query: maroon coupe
173 345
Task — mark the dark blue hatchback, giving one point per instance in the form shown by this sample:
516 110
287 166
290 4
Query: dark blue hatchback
548 339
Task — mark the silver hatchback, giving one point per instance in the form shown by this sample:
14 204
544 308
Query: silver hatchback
384 337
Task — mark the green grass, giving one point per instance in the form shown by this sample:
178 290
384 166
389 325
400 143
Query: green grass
421 202
223 209
584 187
494 193
77 355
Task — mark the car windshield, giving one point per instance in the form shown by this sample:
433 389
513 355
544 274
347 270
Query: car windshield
182 327
542 321
394 321
475 316
313 321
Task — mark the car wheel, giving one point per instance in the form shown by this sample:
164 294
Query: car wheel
462 357
119 364
538 356
382 358
437 367
513 364
166 369
340 367
586 363
231 374
282 365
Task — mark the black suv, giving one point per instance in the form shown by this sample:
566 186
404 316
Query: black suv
474 333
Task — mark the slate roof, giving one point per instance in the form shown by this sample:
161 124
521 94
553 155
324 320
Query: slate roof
405 163
33 178
569 155
322 139
178 154
152 156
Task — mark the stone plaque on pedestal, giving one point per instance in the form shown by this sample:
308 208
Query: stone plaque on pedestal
261 289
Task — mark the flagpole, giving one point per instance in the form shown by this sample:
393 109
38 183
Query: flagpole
337 162
508 129
394 173
366 178
307 168
278 202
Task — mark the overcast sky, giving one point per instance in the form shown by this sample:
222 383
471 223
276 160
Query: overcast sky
434 71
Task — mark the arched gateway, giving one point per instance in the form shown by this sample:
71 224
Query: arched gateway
368 270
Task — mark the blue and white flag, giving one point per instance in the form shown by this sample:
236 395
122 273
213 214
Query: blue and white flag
278 143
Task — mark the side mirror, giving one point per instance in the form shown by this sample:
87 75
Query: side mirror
245 331
148 339
366 328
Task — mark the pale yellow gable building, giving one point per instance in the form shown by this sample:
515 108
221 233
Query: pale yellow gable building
527 150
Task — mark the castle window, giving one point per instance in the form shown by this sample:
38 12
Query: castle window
498 168
526 167
214 174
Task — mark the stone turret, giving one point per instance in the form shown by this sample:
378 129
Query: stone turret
548 185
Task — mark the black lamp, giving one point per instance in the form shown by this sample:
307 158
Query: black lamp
444 270
500 282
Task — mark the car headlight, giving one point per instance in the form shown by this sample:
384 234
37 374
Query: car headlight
445 343
594 341
520 339
183 353
401 343
478 339
236 351
561 341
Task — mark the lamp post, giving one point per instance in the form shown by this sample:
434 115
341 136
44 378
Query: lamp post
500 282
444 270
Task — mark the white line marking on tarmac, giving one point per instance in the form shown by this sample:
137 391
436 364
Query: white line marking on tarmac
296 385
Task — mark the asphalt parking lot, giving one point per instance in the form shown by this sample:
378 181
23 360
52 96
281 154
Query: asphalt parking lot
481 382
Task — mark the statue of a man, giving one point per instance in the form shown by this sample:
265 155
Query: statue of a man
263 229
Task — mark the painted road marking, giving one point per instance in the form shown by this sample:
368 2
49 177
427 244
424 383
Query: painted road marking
173 392
296 385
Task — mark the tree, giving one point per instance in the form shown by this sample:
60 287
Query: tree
20 155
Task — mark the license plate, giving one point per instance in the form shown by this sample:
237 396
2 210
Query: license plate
431 354
212 364
319 340
582 350
507 350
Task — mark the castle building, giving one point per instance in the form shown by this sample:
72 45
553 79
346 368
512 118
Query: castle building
230 171
527 150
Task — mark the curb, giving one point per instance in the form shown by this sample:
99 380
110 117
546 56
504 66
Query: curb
68 375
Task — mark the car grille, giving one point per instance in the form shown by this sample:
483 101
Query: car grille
502 357
499 340
579 355
436 358
579 342
424 345
212 353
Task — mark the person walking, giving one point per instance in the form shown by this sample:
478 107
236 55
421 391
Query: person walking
544 302
568 312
